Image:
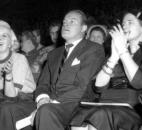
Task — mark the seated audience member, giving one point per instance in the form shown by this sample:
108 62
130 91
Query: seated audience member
97 33
53 39
28 46
37 38
119 81
16 82
41 50
66 74
33 51
54 29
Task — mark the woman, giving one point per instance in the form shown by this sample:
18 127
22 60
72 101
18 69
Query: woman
97 33
16 82
119 82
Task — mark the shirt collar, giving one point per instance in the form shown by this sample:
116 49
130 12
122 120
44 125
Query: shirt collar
75 42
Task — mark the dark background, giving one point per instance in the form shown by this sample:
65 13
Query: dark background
30 13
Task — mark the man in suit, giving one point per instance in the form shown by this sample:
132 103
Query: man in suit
60 89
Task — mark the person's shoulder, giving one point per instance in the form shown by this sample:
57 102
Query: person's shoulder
19 56
56 50
92 45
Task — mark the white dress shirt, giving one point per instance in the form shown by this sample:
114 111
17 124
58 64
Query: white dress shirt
75 43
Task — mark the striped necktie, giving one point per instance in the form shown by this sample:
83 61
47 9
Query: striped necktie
67 48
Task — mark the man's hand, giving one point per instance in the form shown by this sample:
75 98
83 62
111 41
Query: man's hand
43 101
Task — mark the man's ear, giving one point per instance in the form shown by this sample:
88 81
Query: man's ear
84 28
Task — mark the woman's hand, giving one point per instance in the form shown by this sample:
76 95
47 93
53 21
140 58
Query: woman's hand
119 39
114 54
8 67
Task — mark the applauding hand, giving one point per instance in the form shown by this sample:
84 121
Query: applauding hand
119 39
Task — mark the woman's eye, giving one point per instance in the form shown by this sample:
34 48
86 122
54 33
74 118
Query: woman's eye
130 22
4 36
72 21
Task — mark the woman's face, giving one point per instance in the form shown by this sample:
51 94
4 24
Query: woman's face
5 39
96 36
132 27
26 44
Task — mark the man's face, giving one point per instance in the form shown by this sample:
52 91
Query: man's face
5 39
36 36
54 33
72 28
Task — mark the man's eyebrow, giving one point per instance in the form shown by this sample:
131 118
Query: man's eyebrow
74 18
70 19
129 20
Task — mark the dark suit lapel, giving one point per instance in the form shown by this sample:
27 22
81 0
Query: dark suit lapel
57 63
75 53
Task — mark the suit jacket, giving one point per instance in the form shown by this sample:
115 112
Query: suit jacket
73 79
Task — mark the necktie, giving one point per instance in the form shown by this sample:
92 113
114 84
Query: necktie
67 48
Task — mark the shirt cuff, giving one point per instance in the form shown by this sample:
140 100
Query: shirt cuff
41 96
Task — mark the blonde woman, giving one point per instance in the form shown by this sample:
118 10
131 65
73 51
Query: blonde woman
16 81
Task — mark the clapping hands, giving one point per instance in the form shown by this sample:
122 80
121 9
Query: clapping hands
7 68
119 39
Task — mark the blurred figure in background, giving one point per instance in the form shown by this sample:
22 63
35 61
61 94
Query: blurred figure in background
97 33
28 47
54 29
54 35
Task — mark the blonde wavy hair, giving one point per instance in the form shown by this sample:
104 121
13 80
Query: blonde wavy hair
14 42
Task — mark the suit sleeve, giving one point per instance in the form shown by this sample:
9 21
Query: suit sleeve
137 80
43 86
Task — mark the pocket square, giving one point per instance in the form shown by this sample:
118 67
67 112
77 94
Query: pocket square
75 62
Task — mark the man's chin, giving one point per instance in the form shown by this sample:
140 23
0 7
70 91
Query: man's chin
66 36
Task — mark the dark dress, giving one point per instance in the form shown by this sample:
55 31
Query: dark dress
14 109
119 90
